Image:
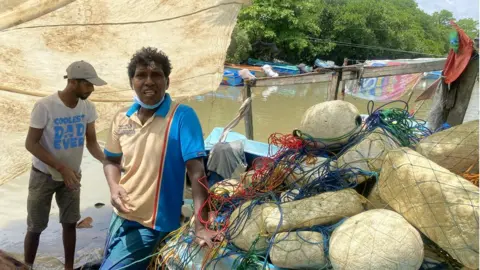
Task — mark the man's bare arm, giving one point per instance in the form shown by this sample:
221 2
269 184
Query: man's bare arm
92 143
118 196
196 173
112 170
32 144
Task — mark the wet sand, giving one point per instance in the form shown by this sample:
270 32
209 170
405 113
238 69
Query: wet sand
90 241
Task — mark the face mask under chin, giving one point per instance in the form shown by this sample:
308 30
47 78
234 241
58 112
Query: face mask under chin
146 106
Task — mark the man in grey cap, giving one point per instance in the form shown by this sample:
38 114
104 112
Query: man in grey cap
61 125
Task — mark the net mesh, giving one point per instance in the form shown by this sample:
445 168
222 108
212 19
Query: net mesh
376 239
298 250
455 149
34 54
442 205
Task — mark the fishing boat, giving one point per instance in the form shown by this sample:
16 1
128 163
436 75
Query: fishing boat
231 77
258 71
432 75
281 68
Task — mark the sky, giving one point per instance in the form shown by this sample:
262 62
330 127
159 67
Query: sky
459 8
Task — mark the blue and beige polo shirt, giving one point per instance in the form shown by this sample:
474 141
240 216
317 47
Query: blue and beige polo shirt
154 157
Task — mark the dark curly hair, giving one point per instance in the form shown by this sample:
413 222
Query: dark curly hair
146 55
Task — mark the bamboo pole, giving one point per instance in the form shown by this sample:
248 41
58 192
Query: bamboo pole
248 119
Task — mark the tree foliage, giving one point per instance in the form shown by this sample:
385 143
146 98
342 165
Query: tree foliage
301 31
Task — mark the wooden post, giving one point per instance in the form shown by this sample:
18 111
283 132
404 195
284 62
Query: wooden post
335 84
342 82
462 88
332 90
246 93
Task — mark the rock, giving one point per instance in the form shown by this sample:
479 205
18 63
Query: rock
376 239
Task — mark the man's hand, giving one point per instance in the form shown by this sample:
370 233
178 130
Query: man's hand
71 178
119 199
206 237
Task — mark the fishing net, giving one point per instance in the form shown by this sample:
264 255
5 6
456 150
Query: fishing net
375 201
322 209
368 154
289 195
287 205
226 187
298 250
39 39
331 122
306 171
455 149
442 205
251 227
376 239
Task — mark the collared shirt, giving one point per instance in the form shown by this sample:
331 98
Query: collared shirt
154 156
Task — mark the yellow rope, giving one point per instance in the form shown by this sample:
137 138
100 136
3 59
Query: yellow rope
472 177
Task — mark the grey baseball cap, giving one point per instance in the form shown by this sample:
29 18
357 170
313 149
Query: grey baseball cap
83 70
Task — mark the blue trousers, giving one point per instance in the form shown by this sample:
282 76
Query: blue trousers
129 244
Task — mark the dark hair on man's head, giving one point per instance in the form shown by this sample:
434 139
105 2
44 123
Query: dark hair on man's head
146 55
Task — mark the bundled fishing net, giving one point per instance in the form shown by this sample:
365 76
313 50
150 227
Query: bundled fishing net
250 227
306 171
330 123
226 187
285 208
455 149
442 205
368 154
322 209
375 201
299 250
376 239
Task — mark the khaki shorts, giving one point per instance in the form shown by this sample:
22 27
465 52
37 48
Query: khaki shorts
40 193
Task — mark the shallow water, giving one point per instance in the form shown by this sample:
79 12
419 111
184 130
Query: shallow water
90 241
275 109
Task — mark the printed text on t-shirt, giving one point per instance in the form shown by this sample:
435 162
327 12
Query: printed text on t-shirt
69 132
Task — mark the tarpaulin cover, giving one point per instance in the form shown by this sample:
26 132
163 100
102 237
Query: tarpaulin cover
39 39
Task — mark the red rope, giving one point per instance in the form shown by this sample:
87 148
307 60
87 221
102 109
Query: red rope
265 178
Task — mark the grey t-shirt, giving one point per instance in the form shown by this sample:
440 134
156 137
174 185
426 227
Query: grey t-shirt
64 131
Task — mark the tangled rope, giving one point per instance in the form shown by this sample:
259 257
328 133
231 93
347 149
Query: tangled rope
299 167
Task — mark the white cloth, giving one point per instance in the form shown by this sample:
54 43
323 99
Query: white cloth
64 131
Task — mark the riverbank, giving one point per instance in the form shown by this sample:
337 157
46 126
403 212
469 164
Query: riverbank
90 241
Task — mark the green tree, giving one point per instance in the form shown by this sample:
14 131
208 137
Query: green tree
240 48
442 17
361 28
301 31
469 26
282 28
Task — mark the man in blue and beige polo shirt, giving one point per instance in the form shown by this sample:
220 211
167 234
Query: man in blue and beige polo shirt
154 141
